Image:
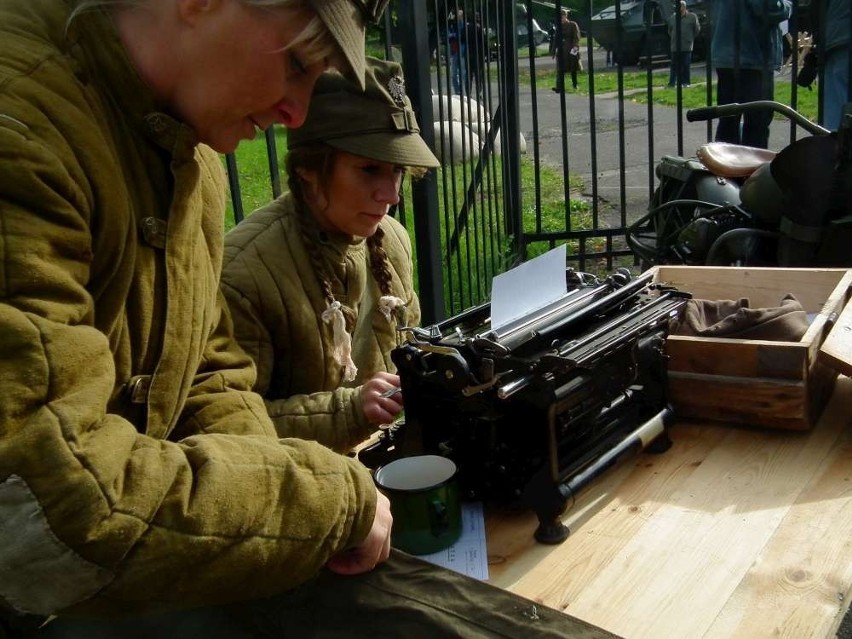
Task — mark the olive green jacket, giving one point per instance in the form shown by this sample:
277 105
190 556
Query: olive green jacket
276 302
137 470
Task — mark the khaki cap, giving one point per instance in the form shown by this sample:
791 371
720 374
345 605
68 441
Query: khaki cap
378 124
346 20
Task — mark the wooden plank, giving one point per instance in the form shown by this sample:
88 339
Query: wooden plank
556 575
737 357
754 401
820 386
757 402
512 550
775 423
800 583
674 576
763 286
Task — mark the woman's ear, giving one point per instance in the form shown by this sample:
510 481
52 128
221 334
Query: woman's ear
308 178
310 183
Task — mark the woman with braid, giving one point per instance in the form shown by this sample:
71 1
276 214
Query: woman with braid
319 280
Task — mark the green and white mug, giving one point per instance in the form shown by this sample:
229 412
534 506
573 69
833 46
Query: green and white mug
424 497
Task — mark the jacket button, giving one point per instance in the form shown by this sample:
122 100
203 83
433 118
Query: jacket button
156 123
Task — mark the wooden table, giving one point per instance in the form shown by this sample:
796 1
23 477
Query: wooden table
733 532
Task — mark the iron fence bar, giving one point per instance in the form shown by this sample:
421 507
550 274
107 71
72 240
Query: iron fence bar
467 150
675 63
449 138
563 115
272 160
593 130
424 194
455 279
234 186
708 72
622 159
649 91
820 47
609 249
793 31
535 137
491 171
577 235
510 125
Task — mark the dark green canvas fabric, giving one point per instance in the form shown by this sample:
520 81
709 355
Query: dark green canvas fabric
404 597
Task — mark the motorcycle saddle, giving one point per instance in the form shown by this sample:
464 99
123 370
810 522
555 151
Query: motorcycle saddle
732 160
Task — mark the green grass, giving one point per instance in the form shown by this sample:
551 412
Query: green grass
696 96
635 84
555 215
253 171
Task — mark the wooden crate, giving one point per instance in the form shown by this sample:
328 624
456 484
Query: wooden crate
757 382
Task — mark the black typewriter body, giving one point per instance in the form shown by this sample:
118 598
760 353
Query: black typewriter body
533 412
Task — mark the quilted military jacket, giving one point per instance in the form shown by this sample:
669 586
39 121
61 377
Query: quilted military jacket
137 470
277 305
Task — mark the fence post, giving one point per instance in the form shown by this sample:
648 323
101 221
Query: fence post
424 192
510 124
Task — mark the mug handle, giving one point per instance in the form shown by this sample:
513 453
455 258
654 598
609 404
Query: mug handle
438 517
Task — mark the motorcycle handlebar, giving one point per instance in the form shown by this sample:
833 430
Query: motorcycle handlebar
725 110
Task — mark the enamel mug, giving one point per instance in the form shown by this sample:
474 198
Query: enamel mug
424 497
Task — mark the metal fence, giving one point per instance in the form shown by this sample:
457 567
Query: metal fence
526 168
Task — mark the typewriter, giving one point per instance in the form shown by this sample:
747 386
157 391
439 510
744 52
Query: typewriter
533 412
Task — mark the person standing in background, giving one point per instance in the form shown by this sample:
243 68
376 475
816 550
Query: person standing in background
746 49
457 44
681 48
566 51
476 43
837 84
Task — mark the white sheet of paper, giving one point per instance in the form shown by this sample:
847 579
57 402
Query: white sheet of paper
528 287
468 555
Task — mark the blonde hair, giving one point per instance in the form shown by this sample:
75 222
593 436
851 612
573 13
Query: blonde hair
316 40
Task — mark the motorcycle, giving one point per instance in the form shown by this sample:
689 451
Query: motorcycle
734 205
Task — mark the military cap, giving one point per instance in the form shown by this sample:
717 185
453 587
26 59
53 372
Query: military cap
377 123
346 20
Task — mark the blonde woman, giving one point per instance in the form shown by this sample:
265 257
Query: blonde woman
137 469
319 280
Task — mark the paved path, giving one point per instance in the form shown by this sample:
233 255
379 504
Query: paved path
635 175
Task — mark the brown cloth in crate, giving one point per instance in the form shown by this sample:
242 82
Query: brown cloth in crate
734 319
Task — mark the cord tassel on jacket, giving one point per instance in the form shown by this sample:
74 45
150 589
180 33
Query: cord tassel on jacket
342 341
390 306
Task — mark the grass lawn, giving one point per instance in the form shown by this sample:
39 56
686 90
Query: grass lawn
635 85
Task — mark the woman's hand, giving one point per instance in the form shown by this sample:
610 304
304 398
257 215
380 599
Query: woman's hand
379 407
373 550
